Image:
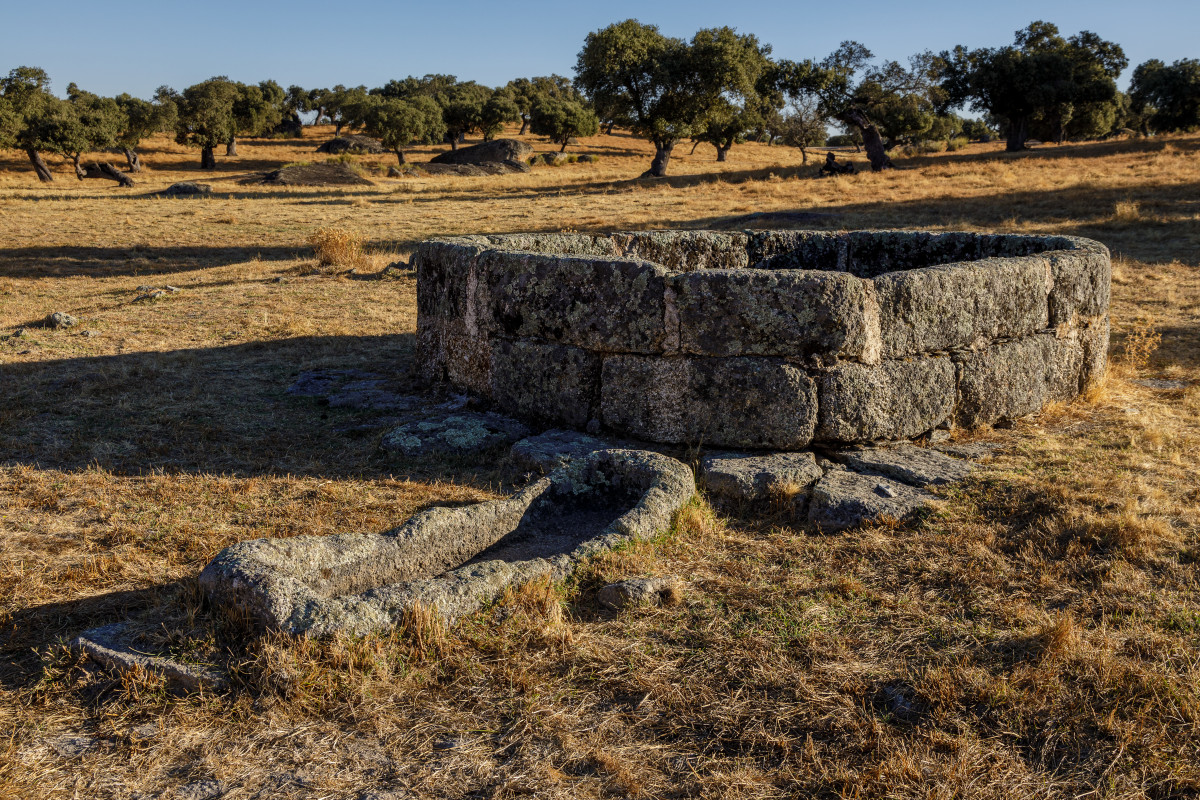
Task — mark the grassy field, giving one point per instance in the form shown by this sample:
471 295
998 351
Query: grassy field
1037 636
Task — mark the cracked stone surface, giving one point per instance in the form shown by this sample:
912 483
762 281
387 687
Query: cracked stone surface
917 466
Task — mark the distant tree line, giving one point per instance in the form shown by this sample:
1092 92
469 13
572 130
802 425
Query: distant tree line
719 88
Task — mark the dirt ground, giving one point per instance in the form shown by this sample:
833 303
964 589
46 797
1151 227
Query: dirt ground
1038 635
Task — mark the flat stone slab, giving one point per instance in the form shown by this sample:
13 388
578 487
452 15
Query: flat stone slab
916 466
555 448
457 433
354 389
451 559
114 646
844 499
740 477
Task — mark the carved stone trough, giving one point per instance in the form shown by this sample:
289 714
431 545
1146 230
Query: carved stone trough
765 339
451 559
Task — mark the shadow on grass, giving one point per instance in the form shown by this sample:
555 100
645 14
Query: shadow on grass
219 410
138 260
28 632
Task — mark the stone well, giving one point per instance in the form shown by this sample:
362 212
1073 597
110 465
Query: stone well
764 339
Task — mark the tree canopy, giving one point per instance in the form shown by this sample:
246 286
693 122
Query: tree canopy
400 123
206 117
1167 96
562 120
667 89
1041 81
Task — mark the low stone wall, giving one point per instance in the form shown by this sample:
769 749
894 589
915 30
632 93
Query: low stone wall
765 339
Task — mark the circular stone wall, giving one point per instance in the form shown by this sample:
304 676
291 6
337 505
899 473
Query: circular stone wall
764 339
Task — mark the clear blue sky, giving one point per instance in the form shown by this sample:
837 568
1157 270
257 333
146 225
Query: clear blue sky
137 45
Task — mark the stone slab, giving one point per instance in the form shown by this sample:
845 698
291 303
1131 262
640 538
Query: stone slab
744 477
807 250
1017 378
113 646
551 382
552 449
685 251
722 402
959 305
453 434
1082 284
844 499
795 313
916 466
605 305
894 400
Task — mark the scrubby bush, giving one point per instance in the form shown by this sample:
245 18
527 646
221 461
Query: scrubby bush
337 247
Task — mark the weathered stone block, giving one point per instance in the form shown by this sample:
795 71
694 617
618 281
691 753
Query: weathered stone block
684 251
811 250
916 466
1093 337
613 305
573 244
957 305
893 400
548 381
798 313
552 449
844 499
1082 283
1014 379
742 477
448 282
724 402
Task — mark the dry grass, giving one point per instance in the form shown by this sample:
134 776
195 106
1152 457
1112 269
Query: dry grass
1036 637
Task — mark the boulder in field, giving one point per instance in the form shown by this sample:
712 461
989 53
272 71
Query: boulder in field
352 143
495 150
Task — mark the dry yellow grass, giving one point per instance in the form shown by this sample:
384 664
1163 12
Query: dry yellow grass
1036 637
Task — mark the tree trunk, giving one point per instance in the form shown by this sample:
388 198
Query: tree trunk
1018 132
872 141
524 125
39 166
803 155
454 142
400 155
132 159
337 128
231 147
108 171
695 144
662 156
723 150
566 140
608 131
207 159
79 171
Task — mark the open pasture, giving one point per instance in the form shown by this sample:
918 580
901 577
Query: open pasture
1037 636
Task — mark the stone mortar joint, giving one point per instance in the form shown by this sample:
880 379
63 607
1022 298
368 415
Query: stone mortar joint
765 339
